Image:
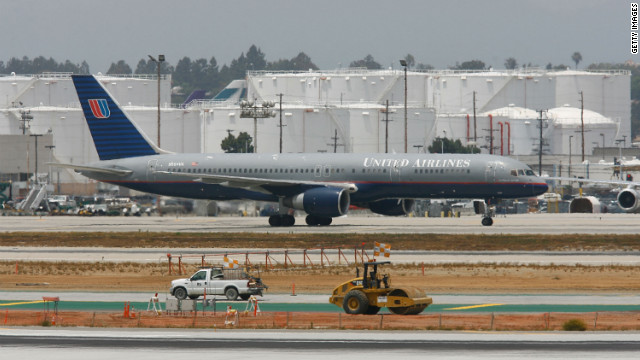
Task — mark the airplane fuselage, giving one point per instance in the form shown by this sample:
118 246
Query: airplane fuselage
377 176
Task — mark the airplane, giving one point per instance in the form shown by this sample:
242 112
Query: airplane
323 185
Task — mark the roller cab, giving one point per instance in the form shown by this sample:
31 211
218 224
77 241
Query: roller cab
369 293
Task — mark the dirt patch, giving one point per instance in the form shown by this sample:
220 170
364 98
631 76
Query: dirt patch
444 278
440 242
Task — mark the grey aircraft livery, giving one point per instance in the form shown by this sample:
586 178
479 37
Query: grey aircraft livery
323 185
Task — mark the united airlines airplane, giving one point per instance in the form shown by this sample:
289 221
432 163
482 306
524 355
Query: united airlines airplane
323 185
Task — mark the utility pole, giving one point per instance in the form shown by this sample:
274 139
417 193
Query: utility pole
280 95
36 173
386 128
50 147
582 121
540 145
404 63
335 141
475 137
159 65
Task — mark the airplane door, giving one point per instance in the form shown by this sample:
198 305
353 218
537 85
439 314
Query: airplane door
151 170
490 172
318 171
395 173
326 171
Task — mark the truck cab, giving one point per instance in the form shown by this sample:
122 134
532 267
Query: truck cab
232 283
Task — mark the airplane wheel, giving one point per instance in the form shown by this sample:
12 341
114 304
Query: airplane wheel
288 220
312 220
487 221
275 220
325 221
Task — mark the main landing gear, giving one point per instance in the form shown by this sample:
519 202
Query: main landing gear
281 220
314 220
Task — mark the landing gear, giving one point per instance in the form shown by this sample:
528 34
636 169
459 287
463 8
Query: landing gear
487 221
313 220
281 220
482 207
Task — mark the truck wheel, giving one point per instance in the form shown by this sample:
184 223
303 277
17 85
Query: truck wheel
231 294
355 302
180 293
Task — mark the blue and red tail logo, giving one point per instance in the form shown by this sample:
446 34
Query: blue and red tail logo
99 108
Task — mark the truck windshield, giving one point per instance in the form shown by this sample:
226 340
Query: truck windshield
200 275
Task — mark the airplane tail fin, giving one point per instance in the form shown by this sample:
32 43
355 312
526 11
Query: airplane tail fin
115 136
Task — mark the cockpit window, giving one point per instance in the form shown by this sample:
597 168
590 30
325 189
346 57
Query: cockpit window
514 172
530 172
520 172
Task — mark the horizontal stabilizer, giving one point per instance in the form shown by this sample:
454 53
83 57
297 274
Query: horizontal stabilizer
84 168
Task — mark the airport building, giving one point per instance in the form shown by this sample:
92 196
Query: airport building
344 110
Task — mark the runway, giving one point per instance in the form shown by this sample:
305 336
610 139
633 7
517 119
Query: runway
190 255
151 344
510 224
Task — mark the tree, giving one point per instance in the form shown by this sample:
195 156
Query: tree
368 62
422 66
470 65
301 62
510 63
451 147
576 57
119 68
256 58
411 61
240 144
147 66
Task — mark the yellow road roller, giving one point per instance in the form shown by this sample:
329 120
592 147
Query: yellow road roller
368 293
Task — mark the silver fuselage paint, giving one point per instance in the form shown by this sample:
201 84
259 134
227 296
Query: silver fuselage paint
377 176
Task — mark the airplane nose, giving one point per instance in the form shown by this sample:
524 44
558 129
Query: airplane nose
540 188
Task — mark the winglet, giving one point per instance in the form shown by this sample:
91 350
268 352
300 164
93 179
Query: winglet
115 136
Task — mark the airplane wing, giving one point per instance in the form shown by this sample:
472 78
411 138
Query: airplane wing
104 170
256 184
592 181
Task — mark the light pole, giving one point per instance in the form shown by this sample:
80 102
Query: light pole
251 110
159 64
570 138
601 134
404 63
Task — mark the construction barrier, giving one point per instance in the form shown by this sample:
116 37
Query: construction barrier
600 321
320 254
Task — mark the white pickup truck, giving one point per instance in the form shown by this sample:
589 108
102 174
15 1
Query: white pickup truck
232 283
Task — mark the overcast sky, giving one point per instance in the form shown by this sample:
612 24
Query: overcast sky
332 32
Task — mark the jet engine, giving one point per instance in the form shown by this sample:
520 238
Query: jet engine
628 200
585 204
392 207
321 201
